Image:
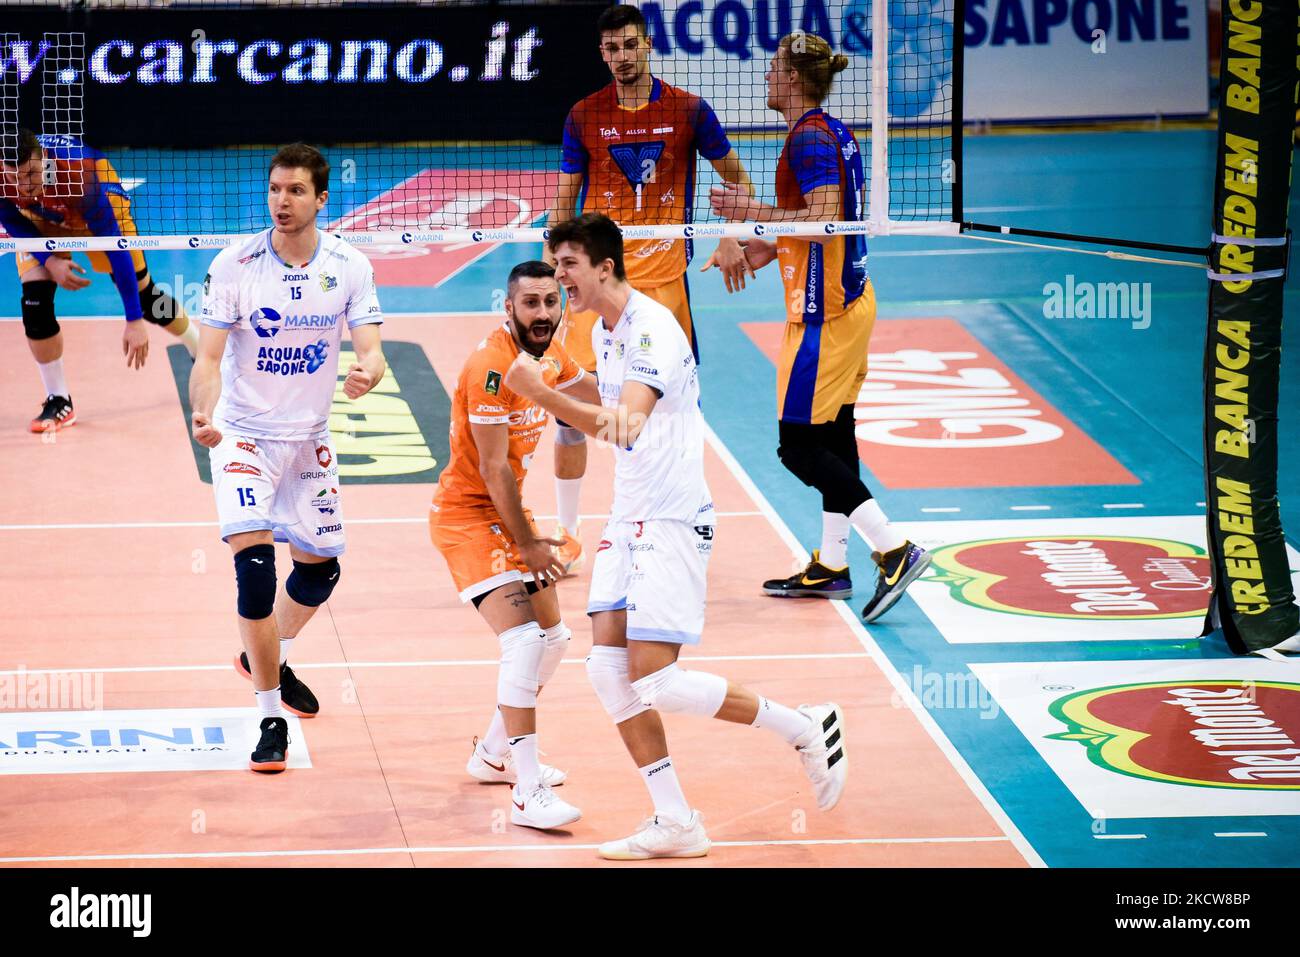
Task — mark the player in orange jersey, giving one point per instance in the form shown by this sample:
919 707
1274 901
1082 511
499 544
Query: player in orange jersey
498 559
830 311
56 186
630 153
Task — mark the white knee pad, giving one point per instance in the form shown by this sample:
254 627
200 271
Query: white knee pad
674 690
522 650
557 643
607 672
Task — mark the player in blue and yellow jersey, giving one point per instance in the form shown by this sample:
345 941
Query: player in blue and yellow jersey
630 153
58 187
830 310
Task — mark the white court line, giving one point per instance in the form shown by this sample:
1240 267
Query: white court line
1125 505
485 849
1240 834
901 686
941 510
1119 837
430 663
1031 508
83 526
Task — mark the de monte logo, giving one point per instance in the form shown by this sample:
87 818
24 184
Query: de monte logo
1098 577
1215 734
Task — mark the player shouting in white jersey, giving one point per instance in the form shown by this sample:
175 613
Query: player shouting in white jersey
648 578
273 317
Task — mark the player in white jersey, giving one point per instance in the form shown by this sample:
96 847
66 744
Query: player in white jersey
273 314
648 578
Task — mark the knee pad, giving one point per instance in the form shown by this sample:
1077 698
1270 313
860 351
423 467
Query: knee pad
255 581
38 310
797 451
568 435
310 583
674 690
522 650
557 643
159 308
607 672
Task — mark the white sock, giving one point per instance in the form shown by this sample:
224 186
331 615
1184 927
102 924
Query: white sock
868 519
494 741
777 718
190 338
835 540
268 703
523 749
666 791
52 378
566 502
285 645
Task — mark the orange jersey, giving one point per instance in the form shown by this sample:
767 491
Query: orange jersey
822 279
638 168
483 398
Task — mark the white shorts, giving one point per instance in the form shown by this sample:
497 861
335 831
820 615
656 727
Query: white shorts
289 488
657 571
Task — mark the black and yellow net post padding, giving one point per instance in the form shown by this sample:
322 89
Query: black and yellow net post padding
1253 601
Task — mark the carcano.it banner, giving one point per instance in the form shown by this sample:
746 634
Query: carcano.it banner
1253 601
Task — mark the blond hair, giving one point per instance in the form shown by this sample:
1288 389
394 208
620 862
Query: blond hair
811 57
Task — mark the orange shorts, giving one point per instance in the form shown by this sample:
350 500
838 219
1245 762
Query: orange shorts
575 327
479 551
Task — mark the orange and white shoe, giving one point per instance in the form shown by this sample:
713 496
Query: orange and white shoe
570 553
56 413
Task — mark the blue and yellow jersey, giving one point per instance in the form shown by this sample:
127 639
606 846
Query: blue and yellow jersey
822 279
88 199
638 168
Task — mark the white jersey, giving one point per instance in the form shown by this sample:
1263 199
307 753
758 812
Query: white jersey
662 475
280 367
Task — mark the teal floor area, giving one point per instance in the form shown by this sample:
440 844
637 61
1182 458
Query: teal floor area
1136 392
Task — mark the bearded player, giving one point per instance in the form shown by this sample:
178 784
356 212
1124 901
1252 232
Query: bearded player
498 560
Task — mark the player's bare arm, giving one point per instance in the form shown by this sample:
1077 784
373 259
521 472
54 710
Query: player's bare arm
66 273
619 426
365 373
729 257
493 444
564 207
205 385
732 203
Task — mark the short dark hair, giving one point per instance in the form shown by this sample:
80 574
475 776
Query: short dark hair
302 156
619 16
597 235
28 146
531 269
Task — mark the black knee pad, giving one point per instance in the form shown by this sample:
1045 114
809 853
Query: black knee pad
38 310
159 308
255 581
310 583
807 453
797 451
